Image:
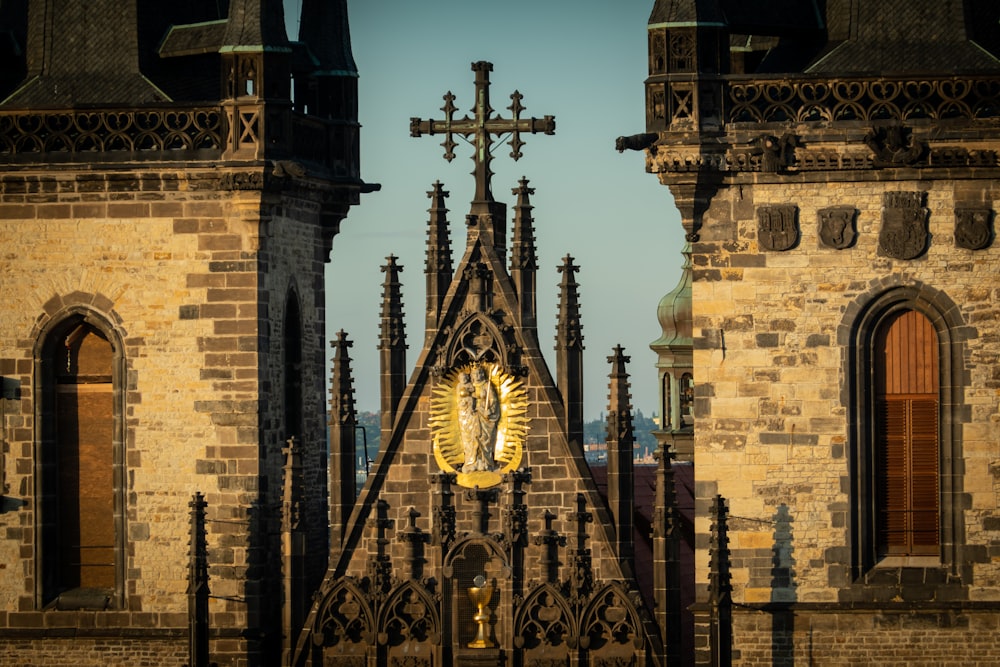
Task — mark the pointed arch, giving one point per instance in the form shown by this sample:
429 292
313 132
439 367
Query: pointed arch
610 627
345 626
468 558
292 365
492 552
545 625
476 339
80 460
408 622
880 335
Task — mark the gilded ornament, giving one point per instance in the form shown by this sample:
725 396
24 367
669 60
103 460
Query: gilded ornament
478 423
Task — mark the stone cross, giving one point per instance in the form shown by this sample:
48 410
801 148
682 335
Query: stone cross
481 127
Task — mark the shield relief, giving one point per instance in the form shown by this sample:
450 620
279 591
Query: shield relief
836 226
904 225
777 227
973 230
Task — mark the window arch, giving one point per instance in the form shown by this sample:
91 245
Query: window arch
292 344
905 379
905 443
79 464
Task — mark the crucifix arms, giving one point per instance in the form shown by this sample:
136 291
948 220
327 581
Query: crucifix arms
480 129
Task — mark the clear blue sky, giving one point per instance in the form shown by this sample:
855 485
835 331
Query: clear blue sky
583 62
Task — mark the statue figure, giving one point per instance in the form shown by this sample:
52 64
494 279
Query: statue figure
478 414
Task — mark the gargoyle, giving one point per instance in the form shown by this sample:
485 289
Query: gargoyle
894 145
636 142
777 154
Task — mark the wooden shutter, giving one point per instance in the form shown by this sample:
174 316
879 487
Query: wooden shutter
85 462
906 437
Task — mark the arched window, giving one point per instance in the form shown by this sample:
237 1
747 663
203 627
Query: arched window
666 405
80 462
906 436
686 417
904 354
293 368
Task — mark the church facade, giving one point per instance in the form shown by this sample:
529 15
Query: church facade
481 537
835 165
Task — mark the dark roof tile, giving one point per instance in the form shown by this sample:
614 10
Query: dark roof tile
186 40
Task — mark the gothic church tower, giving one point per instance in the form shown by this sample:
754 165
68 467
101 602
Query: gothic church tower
835 167
166 211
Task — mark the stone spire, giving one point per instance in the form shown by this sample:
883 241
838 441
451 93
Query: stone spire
720 587
197 591
392 346
330 89
293 548
621 480
569 350
523 258
666 554
438 269
343 440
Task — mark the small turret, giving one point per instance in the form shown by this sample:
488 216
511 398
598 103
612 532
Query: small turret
438 268
569 350
328 87
675 359
620 439
343 440
523 258
392 345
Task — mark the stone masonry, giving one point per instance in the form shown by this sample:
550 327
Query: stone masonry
195 277
825 188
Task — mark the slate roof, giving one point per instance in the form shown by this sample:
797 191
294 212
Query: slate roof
256 23
899 36
131 52
97 62
187 40
686 12
881 37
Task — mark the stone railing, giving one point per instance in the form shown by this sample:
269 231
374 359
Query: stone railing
760 100
683 102
81 134
164 133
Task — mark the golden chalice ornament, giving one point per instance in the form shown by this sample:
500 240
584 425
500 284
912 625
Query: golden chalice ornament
480 594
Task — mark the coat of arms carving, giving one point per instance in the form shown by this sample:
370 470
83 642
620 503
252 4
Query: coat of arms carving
478 421
777 227
836 226
973 228
904 225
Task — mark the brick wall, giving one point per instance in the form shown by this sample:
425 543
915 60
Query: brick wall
919 638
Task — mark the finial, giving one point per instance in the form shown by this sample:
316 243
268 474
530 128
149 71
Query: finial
480 129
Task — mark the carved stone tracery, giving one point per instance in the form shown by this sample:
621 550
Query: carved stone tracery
103 130
875 99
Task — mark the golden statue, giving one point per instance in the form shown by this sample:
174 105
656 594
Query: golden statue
478 423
